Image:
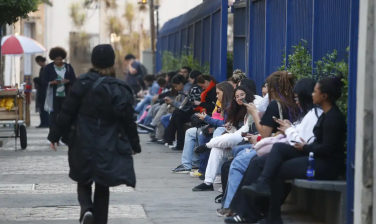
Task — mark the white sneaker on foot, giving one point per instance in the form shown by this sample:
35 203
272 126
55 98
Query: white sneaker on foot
218 179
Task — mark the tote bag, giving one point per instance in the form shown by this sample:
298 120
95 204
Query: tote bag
48 104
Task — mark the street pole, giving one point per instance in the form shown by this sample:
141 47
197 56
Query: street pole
152 31
1 58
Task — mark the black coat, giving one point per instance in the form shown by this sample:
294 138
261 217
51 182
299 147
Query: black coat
49 75
41 90
102 136
210 101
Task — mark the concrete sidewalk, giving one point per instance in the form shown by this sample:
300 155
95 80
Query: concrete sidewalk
35 188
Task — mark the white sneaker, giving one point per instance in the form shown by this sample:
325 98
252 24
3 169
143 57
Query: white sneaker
173 145
218 179
88 218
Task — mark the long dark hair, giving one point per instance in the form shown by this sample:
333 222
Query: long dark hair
194 74
304 89
332 86
236 113
280 86
228 94
250 84
179 79
202 78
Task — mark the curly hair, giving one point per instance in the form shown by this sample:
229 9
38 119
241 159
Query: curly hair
57 52
280 85
237 76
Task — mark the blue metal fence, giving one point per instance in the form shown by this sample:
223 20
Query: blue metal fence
326 25
202 31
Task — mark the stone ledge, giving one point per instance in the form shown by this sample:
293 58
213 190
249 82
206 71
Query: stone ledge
333 185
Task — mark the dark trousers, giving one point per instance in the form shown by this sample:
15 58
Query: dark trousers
101 201
204 157
57 105
176 125
283 163
135 88
44 116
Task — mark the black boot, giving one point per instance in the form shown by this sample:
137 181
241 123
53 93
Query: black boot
261 188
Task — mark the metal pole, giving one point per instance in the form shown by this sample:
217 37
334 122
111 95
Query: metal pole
157 9
152 30
1 58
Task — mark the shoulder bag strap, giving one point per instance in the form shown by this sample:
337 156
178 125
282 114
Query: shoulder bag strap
280 111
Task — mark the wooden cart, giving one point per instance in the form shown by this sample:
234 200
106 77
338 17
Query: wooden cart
12 120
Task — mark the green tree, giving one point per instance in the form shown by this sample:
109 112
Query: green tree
10 12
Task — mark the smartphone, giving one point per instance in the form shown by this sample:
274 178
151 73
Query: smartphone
58 79
244 134
244 101
294 141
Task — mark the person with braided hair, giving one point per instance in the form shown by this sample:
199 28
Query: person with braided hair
237 76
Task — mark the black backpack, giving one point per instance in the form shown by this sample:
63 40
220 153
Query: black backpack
144 70
107 96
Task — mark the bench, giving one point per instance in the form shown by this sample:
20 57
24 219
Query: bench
326 200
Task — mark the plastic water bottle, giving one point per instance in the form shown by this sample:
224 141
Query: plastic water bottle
311 167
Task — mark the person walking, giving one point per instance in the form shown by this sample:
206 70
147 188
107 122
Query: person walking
59 76
98 113
135 71
41 94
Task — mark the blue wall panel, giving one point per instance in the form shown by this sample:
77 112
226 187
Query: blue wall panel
331 28
177 44
183 43
206 40
190 37
240 29
257 43
299 23
275 34
215 43
165 43
171 43
197 48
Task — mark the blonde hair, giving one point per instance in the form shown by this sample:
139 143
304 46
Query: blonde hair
237 76
105 71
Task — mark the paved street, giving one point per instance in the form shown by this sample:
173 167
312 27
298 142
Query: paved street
35 188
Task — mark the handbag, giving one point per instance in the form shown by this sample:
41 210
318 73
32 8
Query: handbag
48 103
264 146
196 122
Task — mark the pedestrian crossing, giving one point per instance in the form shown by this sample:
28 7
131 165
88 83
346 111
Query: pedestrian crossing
38 173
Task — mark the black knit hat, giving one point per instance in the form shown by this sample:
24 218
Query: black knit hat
103 56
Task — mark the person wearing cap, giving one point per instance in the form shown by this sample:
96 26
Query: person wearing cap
98 113
60 76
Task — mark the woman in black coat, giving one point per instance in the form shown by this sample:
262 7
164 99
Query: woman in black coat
41 94
98 112
60 76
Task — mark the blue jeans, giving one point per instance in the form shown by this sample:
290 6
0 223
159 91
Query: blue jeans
204 157
237 169
165 119
189 157
141 106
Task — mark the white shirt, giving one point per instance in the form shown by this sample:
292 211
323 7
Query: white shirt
304 129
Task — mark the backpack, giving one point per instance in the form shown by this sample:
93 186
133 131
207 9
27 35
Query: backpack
107 95
144 70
